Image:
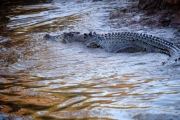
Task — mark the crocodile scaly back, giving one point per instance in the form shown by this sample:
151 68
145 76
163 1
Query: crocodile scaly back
123 42
127 42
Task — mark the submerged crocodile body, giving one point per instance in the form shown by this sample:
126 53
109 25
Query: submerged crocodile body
121 42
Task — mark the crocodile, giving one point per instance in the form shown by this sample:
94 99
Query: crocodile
121 42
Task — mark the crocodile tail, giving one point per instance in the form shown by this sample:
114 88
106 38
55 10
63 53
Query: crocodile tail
176 55
175 58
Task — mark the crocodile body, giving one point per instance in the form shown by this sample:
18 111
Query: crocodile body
122 42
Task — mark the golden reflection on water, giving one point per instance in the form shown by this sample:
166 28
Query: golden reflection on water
19 95
57 24
22 99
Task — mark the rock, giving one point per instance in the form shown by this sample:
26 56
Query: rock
158 4
165 12
172 1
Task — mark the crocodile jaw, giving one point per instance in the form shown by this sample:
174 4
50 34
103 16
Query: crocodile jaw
60 38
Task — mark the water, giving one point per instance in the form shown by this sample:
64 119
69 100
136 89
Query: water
51 80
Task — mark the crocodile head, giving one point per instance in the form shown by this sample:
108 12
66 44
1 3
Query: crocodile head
89 39
65 37
77 37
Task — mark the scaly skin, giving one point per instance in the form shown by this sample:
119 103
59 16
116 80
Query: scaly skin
122 42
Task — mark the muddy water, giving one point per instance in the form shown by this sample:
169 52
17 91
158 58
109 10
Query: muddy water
51 80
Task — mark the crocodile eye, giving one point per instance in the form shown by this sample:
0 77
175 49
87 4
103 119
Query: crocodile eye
71 35
85 35
47 35
65 34
90 34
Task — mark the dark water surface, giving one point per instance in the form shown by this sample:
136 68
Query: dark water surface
49 80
